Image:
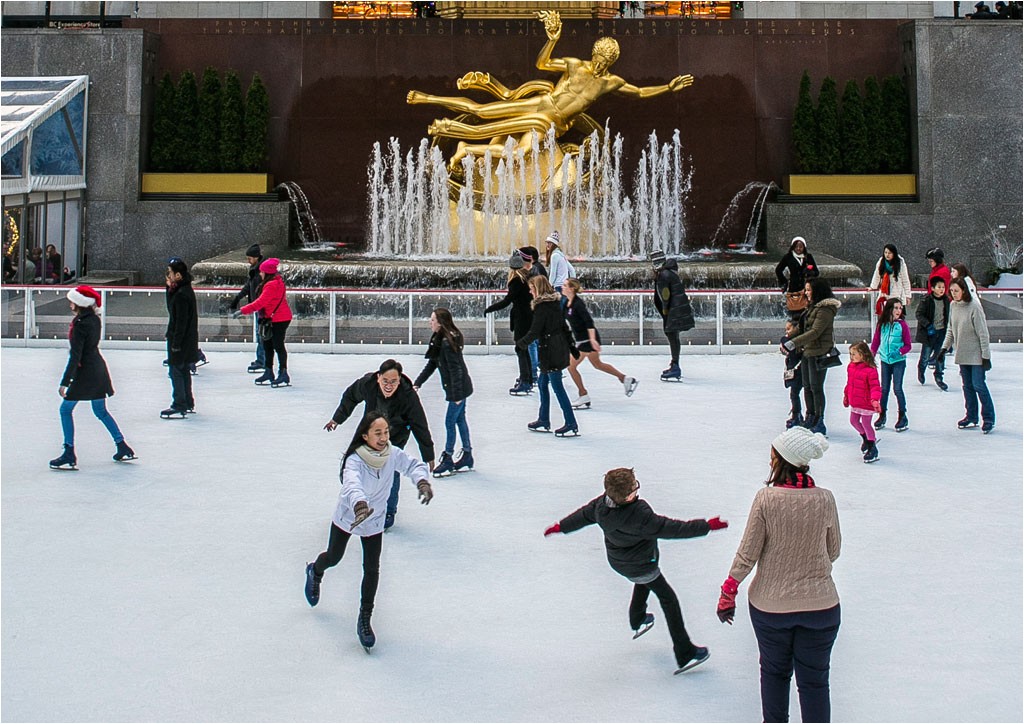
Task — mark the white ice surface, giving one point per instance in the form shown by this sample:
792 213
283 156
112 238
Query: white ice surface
170 588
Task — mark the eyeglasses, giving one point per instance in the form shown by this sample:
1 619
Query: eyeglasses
389 383
637 486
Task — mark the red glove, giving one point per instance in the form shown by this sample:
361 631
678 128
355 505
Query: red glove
551 530
717 524
876 405
846 401
727 601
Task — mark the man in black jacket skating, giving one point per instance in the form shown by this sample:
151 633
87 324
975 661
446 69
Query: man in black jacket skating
248 293
631 532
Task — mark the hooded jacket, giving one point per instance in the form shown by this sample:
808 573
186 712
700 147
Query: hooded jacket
671 300
549 328
799 271
272 303
631 532
359 481
816 328
86 375
452 366
521 316
403 408
862 386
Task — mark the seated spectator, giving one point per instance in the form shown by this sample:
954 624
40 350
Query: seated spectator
38 266
53 265
982 12
10 270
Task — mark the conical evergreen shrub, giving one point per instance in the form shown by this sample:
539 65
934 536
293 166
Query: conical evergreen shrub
257 119
853 132
896 104
805 130
207 133
232 112
874 122
827 115
165 131
186 111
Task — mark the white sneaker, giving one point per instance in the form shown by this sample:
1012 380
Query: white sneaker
630 383
582 402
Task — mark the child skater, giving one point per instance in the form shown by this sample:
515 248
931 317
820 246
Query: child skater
366 474
862 395
932 313
86 378
891 343
792 378
445 354
631 532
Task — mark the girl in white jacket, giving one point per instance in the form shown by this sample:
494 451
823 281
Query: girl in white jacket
367 471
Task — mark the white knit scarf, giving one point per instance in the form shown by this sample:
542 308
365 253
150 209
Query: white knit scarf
375 459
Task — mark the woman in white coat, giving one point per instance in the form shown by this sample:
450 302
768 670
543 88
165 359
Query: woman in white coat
891 278
367 471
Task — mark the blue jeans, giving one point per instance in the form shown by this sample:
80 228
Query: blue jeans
261 356
800 642
555 379
892 375
534 359
99 408
392 506
456 417
929 349
975 391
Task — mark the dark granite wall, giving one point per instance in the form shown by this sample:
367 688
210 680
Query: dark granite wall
338 86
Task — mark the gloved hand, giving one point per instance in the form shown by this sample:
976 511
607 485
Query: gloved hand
552 529
788 344
986 364
235 314
362 511
846 400
876 406
426 492
717 523
727 601
931 330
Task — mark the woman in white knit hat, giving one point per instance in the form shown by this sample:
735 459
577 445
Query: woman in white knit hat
792 536
86 378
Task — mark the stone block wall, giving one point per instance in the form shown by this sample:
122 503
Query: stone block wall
965 89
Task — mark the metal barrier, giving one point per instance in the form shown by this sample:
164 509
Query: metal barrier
386 320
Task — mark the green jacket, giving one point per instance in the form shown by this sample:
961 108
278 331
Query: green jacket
815 337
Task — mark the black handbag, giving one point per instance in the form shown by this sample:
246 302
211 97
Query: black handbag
266 329
829 359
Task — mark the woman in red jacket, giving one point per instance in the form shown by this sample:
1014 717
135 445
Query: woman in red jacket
275 316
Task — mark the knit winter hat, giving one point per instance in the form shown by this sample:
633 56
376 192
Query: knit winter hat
801 239
619 483
516 261
253 250
269 266
85 296
657 259
552 238
799 446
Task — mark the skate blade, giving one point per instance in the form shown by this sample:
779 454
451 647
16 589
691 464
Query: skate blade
642 631
126 459
691 664
202 362
584 406
286 384
570 433
632 389
175 416
368 649
64 467
539 429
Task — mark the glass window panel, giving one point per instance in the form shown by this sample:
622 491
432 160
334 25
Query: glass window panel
13 164
12 320
53 151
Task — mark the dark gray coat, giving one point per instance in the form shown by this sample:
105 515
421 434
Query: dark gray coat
671 300
549 328
452 366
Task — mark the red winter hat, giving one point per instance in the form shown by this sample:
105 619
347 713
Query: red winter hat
85 296
269 266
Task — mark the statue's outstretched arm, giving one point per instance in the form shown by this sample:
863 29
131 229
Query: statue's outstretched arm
476 80
674 85
553 28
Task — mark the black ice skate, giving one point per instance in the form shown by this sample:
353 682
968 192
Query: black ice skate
445 466
465 461
312 585
266 378
538 426
699 657
283 380
902 423
646 625
67 460
520 388
256 366
123 452
672 374
567 431
173 414
364 631
871 454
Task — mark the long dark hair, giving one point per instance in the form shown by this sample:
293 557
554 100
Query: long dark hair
820 289
364 427
448 328
961 270
886 316
783 470
895 261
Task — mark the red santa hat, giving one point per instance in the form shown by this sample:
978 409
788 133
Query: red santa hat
85 296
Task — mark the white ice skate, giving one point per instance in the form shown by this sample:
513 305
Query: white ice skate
582 403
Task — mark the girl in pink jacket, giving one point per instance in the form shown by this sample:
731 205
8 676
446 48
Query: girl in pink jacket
275 316
863 396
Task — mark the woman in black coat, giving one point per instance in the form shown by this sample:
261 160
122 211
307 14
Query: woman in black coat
86 377
555 345
796 267
519 320
182 338
444 353
674 306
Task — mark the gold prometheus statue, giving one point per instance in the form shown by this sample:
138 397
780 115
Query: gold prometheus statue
536 105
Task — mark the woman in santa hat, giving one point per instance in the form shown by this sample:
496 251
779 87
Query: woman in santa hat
86 377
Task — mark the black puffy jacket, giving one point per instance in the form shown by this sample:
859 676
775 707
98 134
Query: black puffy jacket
671 300
799 272
182 324
251 289
452 366
631 532
86 375
403 408
518 296
549 328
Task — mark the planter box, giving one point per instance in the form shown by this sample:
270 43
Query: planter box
852 185
206 183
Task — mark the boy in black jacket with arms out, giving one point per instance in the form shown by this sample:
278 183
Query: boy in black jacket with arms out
631 532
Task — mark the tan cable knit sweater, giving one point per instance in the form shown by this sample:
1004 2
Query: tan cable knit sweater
792 536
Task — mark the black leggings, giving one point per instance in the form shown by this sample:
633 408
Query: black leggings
371 561
276 344
814 387
673 345
681 644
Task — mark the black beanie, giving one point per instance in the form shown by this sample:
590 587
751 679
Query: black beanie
253 250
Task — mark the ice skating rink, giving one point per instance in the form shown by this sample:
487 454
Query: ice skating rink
170 588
